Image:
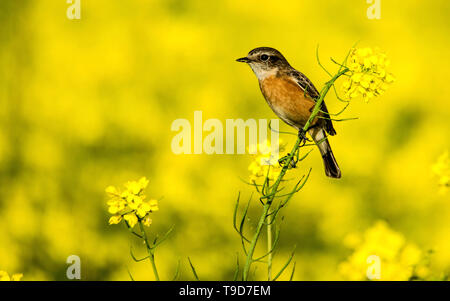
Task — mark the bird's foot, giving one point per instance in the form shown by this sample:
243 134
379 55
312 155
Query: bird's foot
302 135
284 161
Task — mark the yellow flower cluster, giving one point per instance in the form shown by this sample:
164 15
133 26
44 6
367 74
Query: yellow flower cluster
4 276
442 169
398 260
265 164
368 76
130 204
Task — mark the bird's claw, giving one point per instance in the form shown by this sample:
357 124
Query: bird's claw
302 135
282 161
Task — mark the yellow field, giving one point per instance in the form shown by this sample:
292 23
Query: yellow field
89 103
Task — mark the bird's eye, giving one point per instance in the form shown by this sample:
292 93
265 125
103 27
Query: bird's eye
264 57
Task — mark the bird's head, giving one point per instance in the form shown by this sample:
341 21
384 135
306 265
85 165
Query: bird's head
265 61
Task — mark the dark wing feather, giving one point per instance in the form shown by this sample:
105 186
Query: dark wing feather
309 89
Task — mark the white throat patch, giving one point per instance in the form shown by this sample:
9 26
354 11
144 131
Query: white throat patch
262 73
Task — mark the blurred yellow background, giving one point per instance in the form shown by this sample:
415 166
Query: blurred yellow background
89 103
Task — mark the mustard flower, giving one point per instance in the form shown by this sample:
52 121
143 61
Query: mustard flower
368 74
115 219
147 221
131 219
265 164
4 276
131 204
399 259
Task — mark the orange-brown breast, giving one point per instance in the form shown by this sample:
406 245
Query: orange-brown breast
288 100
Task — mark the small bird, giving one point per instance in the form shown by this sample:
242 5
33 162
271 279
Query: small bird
292 97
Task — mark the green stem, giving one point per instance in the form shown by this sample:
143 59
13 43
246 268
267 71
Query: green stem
251 250
151 255
269 246
265 213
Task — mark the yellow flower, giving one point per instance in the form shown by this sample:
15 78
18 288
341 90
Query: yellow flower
261 167
143 182
153 205
130 204
135 187
111 190
254 168
125 195
143 209
131 219
115 219
264 164
134 201
147 221
367 76
5 277
147 207
398 260
116 205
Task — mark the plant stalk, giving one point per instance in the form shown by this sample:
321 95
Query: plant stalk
269 246
151 255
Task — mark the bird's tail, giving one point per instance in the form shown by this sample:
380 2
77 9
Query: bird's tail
331 167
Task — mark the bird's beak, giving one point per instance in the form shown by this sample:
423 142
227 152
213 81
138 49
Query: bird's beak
244 60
